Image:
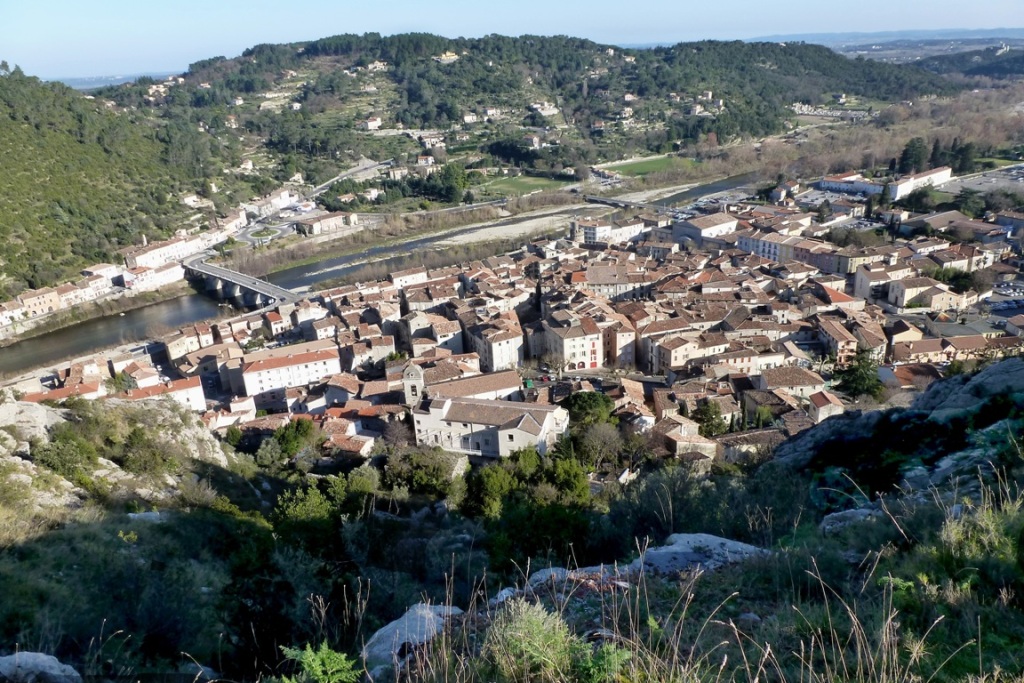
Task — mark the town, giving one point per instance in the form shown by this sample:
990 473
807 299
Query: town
718 328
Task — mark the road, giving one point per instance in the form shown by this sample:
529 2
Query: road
280 295
363 166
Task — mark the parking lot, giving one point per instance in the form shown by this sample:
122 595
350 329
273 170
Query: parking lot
1007 299
1010 178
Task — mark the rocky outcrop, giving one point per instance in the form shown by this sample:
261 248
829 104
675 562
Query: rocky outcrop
965 392
688 552
681 553
27 421
35 667
798 451
172 424
837 521
418 626
942 401
23 424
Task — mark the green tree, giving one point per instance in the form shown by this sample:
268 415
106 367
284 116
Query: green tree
709 416
970 202
485 489
860 378
588 407
937 157
233 436
914 157
570 480
525 463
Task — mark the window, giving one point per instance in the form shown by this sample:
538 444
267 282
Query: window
413 392
511 437
487 442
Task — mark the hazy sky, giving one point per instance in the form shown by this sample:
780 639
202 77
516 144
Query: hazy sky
67 38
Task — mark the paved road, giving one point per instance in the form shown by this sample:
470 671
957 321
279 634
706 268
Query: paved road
280 295
363 166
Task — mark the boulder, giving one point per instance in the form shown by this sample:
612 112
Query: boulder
685 552
198 672
416 627
35 667
748 621
551 575
840 520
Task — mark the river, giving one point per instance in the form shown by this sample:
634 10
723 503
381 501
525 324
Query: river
687 196
109 331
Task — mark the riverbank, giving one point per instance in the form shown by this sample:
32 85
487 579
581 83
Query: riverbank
99 309
662 192
498 224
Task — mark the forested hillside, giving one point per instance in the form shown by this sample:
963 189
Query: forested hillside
757 80
80 181
992 62
608 101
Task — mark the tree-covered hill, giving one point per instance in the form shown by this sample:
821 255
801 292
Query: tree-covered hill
755 79
649 95
80 181
992 62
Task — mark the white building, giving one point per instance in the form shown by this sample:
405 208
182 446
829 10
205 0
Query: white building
266 380
488 428
155 255
498 341
703 227
591 231
144 279
855 183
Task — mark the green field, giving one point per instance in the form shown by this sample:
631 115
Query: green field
645 166
521 185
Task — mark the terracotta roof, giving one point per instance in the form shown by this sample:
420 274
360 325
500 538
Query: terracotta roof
478 384
288 361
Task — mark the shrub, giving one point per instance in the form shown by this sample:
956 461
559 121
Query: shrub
527 643
322 665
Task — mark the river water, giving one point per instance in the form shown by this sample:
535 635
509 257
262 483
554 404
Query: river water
694 193
109 331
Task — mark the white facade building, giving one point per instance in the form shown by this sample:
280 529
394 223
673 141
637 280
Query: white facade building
489 428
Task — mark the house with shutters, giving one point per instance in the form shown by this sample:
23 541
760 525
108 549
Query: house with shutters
488 428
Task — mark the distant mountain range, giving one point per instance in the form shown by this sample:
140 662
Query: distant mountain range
855 38
90 82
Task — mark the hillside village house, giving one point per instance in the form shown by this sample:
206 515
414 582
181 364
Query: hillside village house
37 302
491 429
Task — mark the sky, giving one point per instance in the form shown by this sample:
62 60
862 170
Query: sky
77 38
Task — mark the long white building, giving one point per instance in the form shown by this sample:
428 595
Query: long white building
855 183
267 380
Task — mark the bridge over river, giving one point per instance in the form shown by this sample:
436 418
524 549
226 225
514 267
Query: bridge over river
231 284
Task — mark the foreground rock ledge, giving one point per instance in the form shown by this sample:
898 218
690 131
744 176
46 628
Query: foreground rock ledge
35 667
